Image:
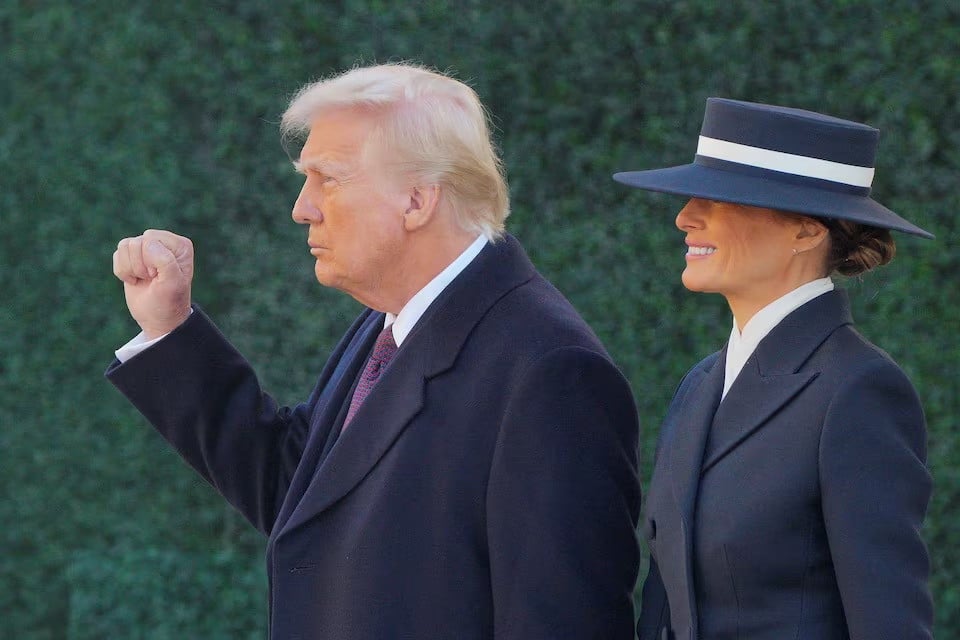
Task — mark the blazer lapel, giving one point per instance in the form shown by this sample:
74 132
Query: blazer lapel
684 435
752 399
689 431
398 396
333 388
772 376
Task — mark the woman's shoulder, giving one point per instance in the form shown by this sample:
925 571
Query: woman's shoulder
861 375
705 365
847 349
695 374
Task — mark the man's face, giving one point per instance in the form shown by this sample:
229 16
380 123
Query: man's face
354 204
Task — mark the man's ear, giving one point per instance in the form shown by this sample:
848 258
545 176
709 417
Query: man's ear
810 235
423 205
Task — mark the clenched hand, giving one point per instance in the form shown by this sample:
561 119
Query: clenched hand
156 269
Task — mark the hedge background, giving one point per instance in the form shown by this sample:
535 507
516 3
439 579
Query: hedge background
118 116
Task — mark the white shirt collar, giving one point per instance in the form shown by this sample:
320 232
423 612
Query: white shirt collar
742 345
404 321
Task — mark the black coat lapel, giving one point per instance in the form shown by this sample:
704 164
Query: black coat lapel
333 389
689 431
673 489
749 403
430 349
772 376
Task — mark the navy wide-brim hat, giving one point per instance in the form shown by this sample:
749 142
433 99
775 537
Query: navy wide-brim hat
780 158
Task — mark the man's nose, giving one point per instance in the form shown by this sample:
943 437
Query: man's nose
304 210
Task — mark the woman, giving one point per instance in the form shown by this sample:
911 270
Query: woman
790 483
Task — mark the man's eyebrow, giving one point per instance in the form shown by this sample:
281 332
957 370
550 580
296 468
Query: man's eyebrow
321 165
301 166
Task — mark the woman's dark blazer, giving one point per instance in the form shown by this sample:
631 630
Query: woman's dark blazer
793 509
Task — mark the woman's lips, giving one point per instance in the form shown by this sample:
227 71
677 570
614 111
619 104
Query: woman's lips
700 251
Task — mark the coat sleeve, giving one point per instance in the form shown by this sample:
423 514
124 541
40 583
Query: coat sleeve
875 489
204 398
563 502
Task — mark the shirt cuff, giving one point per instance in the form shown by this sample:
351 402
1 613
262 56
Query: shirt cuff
138 344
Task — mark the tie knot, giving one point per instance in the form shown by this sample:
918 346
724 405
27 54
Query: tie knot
383 349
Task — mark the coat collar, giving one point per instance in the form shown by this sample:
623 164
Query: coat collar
793 341
431 348
498 269
689 431
331 393
771 377
774 374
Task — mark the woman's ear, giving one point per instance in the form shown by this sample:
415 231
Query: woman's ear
424 201
810 235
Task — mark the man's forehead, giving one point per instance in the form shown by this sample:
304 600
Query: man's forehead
334 142
327 153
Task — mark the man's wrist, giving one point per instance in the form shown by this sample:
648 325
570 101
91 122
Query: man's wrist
143 341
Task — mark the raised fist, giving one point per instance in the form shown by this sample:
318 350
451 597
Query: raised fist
156 269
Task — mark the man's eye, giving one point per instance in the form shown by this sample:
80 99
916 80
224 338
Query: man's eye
321 176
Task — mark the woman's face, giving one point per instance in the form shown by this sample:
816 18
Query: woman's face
744 253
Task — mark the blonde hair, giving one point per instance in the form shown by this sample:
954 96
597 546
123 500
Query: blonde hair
433 126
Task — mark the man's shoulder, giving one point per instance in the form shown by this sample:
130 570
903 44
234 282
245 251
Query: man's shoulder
502 307
538 317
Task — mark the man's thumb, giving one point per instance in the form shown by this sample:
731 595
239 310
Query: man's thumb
161 261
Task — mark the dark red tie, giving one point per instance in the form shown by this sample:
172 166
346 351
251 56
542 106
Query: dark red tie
383 350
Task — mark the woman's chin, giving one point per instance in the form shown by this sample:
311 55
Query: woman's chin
693 283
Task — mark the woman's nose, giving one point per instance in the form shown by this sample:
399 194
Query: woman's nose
691 216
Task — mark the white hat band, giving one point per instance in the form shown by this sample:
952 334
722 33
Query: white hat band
785 162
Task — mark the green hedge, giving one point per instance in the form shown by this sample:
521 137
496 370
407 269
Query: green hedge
121 116
160 594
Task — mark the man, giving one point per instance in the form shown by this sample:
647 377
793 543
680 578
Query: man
466 465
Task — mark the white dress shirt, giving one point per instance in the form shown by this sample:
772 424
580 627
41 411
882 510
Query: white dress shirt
742 344
403 322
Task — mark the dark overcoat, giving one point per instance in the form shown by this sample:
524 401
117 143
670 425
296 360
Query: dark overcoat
791 509
487 487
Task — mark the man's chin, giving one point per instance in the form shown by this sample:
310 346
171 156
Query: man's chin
324 276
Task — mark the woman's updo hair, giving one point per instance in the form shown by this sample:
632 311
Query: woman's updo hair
857 248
